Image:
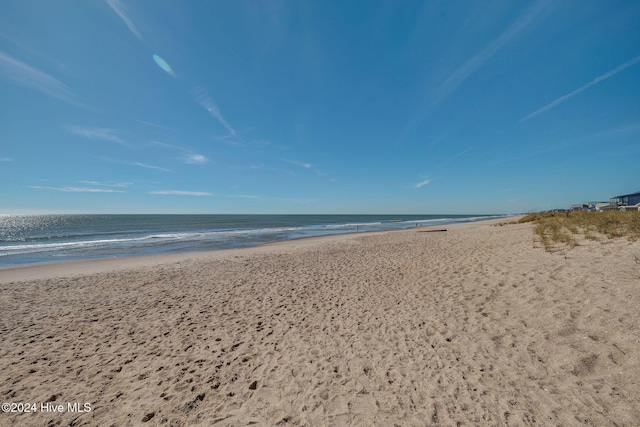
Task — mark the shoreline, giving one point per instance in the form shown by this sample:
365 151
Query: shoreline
45 270
474 326
69 251
38 271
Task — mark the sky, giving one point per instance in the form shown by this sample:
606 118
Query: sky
416 107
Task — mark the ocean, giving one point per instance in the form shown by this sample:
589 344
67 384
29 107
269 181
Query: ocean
31 239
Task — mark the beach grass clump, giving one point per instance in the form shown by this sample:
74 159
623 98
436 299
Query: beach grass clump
540 230
563 228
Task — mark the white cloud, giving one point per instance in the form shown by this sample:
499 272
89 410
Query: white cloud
583 88
181 193
121 10
422 183
194 159
6 159
25 75
77 189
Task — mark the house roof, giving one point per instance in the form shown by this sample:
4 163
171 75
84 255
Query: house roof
627 195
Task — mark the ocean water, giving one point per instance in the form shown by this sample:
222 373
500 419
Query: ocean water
30 239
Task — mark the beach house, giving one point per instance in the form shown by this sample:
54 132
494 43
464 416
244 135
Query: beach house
626 201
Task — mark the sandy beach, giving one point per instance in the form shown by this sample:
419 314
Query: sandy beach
473 326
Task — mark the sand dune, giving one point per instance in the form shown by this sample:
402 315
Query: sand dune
473 326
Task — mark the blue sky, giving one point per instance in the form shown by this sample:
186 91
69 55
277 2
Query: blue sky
317 106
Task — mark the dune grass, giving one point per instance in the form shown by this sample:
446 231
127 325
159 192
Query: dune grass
554 228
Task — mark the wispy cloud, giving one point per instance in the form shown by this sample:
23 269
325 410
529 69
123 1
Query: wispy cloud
33 51
119 8
299 163
151 124
460 154
188 156
478 60
6 159
207 103
164 145
194 159
435 96
131 163
28 76
77 189
104 134
108 184
304 165
582 89
228 139
422 183
146 166
247 167
181 193
625 130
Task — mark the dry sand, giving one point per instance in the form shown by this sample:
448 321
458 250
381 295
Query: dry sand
474 326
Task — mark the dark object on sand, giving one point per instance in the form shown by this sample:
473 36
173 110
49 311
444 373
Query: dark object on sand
432 231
